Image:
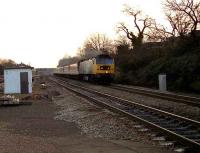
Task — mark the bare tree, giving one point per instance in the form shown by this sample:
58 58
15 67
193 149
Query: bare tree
99 42
159 33
6 63
80 52
187 11
180 26
67 60
183 17
122 40
141 25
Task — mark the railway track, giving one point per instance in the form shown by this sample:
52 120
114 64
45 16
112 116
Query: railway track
183 131
192 101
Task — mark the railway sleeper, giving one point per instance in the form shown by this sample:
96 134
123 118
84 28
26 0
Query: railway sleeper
192 136
134 110
167 143
171 127
181 149
144 116
188 132
196 140
146 112
160 121
159 138
184 128
163 119
172 121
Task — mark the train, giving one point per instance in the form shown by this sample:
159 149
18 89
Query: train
100 68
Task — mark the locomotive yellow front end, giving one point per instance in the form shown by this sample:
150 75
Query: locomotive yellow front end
104 68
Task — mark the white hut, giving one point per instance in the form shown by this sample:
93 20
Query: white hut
18 80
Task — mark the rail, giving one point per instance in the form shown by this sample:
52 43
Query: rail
184 130
193 101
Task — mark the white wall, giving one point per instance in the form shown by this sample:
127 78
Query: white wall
86 67
12 80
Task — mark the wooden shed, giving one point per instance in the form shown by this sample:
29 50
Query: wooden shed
18 80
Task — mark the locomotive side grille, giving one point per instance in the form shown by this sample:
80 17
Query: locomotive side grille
104 67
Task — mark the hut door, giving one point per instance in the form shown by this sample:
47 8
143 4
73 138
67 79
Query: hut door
24 82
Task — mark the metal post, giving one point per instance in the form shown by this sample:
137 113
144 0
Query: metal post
162 82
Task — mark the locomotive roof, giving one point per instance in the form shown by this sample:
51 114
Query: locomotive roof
100 55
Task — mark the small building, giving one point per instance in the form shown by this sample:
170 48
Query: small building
18 80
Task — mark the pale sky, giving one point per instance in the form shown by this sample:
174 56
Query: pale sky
40 32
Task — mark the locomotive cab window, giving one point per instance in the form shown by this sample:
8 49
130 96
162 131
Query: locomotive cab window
104 60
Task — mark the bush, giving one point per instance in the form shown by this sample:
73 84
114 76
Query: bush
195 86
121 77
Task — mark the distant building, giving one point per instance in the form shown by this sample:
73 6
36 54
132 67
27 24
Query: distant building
44 71
18 80
152 45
